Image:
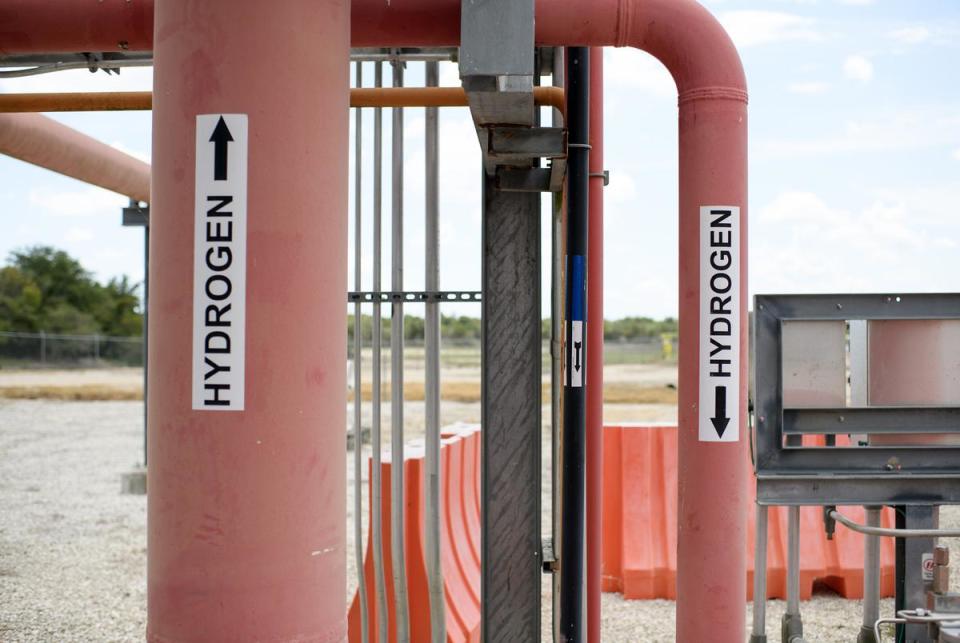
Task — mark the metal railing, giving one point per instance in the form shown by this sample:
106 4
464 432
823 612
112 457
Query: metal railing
397 298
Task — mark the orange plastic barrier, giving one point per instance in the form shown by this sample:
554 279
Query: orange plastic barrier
459 546
640 527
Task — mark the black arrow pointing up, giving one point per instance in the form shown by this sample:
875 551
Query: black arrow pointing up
720 419
220 137
576 348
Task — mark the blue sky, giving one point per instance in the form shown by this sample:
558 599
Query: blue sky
854 161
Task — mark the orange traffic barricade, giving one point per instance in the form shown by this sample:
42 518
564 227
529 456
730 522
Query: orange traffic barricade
640 527
459 542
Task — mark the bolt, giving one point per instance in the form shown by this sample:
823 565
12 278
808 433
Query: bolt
839 306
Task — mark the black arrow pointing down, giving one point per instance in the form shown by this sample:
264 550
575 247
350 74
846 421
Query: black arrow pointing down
576 347
720 419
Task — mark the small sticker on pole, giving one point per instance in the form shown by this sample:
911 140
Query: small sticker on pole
220 262
576 361
719 403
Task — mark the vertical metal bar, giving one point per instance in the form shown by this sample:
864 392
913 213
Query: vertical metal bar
556 349
43 347
793 560
792 624
396 374
871 579
759 634
431 528
146 329
511 381
357 362
572 622
376 482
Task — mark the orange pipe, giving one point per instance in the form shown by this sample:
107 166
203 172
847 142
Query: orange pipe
42 141
363 97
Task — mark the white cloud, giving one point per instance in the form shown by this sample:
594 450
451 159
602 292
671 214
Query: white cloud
811 87
891 241
749 28
79 203
859 3
911 35
622 188
629 68
905 129
956 154
858 67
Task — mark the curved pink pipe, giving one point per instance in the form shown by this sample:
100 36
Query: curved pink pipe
713 153
42 141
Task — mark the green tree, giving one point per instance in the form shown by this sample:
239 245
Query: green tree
46 289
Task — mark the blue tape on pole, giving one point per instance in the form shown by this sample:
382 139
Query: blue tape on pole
577 276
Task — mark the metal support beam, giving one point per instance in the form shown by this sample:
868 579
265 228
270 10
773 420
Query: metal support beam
497 60
511 415
136 215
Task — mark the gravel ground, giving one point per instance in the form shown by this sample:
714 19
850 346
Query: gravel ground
73 549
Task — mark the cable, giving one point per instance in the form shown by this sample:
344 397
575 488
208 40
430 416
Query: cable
893 533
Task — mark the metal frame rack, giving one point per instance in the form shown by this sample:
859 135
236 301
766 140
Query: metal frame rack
915 479
511 304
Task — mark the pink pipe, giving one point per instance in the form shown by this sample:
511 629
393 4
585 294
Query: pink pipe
42 141
68 26
713 171
246 513
594 466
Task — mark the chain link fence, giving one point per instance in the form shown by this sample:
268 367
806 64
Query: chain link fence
54 349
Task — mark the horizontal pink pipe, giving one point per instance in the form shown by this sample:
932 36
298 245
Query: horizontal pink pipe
42 141
69 26
680 33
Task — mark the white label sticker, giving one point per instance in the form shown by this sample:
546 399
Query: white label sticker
576 367
719 404
927 565
220 262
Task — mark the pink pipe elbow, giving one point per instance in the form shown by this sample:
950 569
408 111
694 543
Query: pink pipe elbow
713 171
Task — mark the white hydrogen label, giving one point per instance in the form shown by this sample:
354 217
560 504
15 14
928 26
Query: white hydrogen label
220 263
719 403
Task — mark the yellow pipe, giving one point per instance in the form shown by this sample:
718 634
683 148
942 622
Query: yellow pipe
363 97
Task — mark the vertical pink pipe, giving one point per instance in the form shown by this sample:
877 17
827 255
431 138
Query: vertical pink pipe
712 508
595 350
246 510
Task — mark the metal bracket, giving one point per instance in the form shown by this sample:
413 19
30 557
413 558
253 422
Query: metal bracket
605 175
389 296
510 145
136 215
548 556
533 179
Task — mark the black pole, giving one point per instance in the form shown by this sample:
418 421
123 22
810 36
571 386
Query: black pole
572 579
